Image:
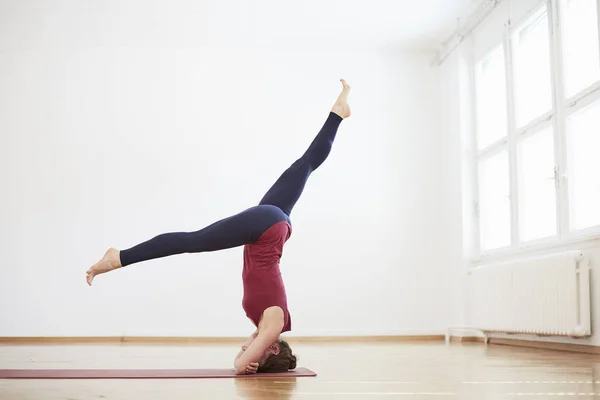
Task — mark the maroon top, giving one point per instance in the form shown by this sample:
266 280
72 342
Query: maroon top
263 285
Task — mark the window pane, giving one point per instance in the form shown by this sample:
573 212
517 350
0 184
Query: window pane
494 202
533 90
581 58
584 166
537 195
491 99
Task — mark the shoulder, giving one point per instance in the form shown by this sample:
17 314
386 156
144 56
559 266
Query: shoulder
273 317
273 312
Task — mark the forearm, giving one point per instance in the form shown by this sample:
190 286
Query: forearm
248 343
257 348
251 338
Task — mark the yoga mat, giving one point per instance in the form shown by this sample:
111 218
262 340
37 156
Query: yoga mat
141 373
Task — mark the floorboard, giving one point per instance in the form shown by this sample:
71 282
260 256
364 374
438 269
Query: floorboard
345 371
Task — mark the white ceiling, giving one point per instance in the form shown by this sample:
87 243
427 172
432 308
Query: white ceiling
412 23
349 23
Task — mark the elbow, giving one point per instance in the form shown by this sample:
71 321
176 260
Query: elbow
239 369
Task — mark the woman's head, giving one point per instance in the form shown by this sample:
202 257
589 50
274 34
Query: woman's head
279 358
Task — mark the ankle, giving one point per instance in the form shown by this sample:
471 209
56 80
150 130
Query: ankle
341 109
116 259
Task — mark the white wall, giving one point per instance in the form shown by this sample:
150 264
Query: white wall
112 133
457 218
455 91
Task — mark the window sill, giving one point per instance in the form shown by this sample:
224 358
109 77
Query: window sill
583 240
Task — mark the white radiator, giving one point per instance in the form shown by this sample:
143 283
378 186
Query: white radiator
547 295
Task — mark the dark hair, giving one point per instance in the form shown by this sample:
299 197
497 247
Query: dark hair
281 362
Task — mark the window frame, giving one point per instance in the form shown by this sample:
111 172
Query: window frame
557 117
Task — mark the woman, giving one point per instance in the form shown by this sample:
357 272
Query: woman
263 231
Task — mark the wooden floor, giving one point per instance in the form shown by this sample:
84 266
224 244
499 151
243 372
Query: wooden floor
346 371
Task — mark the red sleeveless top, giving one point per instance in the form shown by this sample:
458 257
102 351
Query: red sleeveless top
263 284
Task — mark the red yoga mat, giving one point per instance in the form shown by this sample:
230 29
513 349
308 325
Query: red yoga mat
141 373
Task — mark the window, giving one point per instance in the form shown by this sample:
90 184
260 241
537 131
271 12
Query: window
492 131
580 49
494 200
537 113
537 199
531 53
583 138
491 99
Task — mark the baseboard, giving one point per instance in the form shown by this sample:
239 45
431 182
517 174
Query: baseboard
118 339
571 347
172 340
19 340
467 339
351 339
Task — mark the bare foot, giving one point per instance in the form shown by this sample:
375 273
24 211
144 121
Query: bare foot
110 261
341 106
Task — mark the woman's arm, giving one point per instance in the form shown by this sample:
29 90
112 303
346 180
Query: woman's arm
268 333
248 342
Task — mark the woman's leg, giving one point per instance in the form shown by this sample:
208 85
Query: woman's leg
245 227
287 189
238 230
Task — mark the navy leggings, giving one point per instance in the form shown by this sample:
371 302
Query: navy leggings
247 226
